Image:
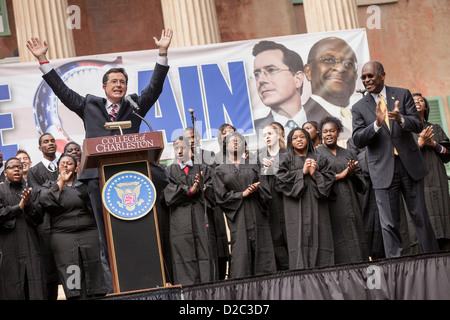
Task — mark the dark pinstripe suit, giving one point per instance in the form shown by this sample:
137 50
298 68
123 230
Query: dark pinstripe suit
91 109
392 175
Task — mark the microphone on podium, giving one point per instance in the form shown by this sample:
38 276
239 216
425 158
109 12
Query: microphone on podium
136 109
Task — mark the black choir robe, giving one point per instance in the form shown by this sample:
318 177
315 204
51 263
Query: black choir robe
21 260
36 177
251 241
276 210
192 233
308 226
74 237
349 238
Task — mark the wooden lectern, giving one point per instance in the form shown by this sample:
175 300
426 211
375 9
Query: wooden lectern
130 216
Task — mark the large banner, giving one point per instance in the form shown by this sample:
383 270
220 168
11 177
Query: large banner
244 83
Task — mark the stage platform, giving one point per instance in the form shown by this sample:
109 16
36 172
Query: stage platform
419 277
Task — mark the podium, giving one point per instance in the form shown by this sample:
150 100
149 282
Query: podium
128 197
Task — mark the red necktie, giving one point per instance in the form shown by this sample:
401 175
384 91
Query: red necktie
113 112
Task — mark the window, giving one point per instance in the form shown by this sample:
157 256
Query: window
4 24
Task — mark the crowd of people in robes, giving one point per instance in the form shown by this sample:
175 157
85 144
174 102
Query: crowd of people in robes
297 202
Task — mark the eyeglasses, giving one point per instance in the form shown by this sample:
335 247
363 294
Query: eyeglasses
269 72
332 62
17 166
369 76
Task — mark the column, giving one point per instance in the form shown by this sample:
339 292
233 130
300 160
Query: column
45 19
330 15
194 21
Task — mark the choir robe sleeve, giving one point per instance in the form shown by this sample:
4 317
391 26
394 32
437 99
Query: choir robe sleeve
229 200
177 191
292 182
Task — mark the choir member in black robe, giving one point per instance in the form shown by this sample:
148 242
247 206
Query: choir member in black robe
243 194
192 227
269 157
349 238
74 236
314 132
221 231
305 178
431 142
74 149
38 174
207 157
22 271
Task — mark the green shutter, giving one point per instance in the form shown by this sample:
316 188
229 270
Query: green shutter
437 115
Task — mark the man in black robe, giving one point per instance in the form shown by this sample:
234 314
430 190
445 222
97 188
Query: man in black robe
22 273
37 175
207 157
192 227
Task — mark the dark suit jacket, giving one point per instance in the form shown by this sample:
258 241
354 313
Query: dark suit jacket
313 110
380 144
91 109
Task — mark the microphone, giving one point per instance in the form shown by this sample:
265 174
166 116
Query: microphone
136 109
133 104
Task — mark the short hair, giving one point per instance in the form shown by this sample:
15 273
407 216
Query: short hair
315 47
290 58
227 139
70 143
337 123
181 138
10 159
191 129
114 70
23 151
378 66
44 134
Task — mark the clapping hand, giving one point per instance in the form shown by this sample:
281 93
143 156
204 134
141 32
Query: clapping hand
251 188
310 167
426 137
395 114
25 198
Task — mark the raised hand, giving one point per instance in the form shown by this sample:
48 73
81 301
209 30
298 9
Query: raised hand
395 114
164 42
38 49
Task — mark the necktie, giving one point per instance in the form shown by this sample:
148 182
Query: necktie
291 124
51 167
346 115
188 163
386 118
113 112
